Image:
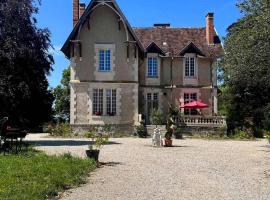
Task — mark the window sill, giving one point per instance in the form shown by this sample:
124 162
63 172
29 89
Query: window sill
104 71
105 116
152 76
190 77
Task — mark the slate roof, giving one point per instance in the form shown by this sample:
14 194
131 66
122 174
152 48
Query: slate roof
177 39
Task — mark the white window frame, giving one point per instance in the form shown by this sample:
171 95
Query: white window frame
111 102
188 67
98 103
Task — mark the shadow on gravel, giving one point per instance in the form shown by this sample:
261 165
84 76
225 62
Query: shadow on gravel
64 143
266 148
109 164
174 146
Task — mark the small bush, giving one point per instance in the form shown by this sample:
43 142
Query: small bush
141 131
178 133
267 135
239 134
59 130
156 117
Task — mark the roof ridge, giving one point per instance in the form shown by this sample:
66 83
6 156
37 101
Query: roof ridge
169 28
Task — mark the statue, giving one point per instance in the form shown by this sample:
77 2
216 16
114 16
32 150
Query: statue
157 139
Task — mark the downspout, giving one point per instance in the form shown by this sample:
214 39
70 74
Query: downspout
172 80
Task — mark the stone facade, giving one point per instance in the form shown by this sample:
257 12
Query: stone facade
103 26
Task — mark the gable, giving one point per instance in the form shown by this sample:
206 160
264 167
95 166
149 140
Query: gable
153 48
191 48
131 37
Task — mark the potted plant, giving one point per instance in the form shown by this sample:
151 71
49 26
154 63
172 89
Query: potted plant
98 113
98 140
169 133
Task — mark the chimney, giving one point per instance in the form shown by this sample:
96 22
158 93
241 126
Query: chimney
210 29
162 25
82 9
75 12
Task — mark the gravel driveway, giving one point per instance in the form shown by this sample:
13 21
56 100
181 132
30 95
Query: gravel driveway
193 169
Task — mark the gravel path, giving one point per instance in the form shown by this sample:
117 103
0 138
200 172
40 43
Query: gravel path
194 169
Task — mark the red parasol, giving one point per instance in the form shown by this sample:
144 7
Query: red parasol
195 104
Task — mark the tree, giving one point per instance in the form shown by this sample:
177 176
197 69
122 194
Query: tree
25 63
246 64
62 98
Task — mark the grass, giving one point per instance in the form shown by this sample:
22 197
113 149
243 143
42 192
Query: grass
38 176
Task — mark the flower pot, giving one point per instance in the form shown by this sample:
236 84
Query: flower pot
92 154
168 143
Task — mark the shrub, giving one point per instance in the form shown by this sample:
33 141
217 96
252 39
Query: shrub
141 131
222 132
240 134
62 130
178 133
267 135
156 117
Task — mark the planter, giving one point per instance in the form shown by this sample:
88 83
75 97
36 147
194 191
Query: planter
168 143
92 154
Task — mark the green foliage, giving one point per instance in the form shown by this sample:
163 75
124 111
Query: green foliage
39 176
266 121
156 117
98 139
246 71
141 130
25 63
62 98
267 134
241 135
178 133
58 130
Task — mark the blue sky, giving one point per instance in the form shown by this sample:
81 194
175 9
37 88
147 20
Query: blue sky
57 16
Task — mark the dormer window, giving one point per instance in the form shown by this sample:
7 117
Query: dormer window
189 67
152 67
105 60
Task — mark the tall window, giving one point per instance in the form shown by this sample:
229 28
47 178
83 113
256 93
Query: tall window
98 102
152 67
105 60
189 97
152 101
111 102
189 67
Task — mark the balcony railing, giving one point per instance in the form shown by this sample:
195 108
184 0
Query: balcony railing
201 121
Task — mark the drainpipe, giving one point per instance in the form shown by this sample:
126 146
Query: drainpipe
172 80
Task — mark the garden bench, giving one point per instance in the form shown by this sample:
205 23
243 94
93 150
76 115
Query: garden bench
9 136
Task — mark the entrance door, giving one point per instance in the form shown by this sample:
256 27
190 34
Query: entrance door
152 101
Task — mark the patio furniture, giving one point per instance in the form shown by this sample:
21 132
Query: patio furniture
10 136
157 138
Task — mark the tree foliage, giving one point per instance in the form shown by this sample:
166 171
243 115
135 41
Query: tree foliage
247 64
25 62
62 98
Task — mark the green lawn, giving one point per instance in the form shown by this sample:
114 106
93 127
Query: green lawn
37 176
